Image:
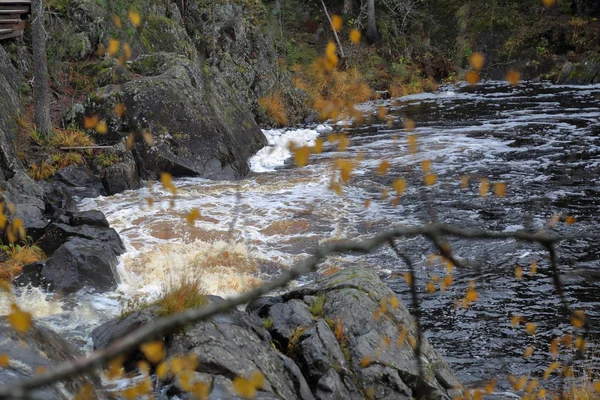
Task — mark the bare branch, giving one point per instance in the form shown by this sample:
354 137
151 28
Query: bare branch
162 326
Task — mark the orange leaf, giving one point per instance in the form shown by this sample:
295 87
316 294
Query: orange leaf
90 122
577 319
4 360
301 155
101 127
472 77
548 3
409 125
134 17
383 168
570 220
113 47
430 287
528 352
364 363
119 110
399 186
477 60
554 347
533 268
530 328
484 187
518 272
513 77
412 144
500 189
430 179
336 22
355 36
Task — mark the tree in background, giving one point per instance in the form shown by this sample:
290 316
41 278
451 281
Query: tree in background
41 88
372 34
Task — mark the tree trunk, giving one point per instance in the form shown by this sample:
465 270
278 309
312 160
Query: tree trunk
372 34
348 7
337 39
41 88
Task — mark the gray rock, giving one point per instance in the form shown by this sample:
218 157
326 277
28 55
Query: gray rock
80 263
79 181
40 347
584 73
121 176
197 126
287 317
92 217
58 233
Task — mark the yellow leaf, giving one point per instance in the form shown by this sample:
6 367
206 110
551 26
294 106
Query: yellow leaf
426 166
18 319
577 319
554 347
567 340
471 295
192 216
381 112
134 17
542 393
477 60
412 342
484 187
113 47
472 77
344 142
40 370
244 388
429 179
401 337
407 278
409 125
114 368
4 360
399 186
530 328
383 168
364 363
513 77
154 351
490 387
477 395
580 344
332 137
597 386
143 367
412 144
101 127
500 189
532 385
554 366
335 187
162 370
318 146
301 156
86 392
517 384
394 302
119 110
336 22
430 287
518 272
533 268
117 21
464 182
570 220
126 51
528 352
367 203
200 390
548 3
150 201
345 167
355 36
447 282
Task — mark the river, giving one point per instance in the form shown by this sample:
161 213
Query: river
542 140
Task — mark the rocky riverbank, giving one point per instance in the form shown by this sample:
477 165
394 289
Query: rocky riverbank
345 336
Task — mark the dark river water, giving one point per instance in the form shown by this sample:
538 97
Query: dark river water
542 140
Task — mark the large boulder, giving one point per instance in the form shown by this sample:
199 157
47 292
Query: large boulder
79 181
351 346
79 263
40 348
192 123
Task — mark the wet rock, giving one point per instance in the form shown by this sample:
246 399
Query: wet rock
40 347
332 348
79 181
197 127
121 176
584 73
58 233
92 217
287 317
58 198
80 263
28 198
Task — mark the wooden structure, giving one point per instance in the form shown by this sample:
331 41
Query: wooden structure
12 14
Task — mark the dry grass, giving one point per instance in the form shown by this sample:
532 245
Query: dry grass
62 160
399 88
41 172
274 108
185 294
70 138
18 257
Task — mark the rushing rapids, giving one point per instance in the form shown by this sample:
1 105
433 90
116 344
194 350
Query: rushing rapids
542 140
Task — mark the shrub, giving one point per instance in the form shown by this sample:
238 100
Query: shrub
274 108
62 160
107 159
317 309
